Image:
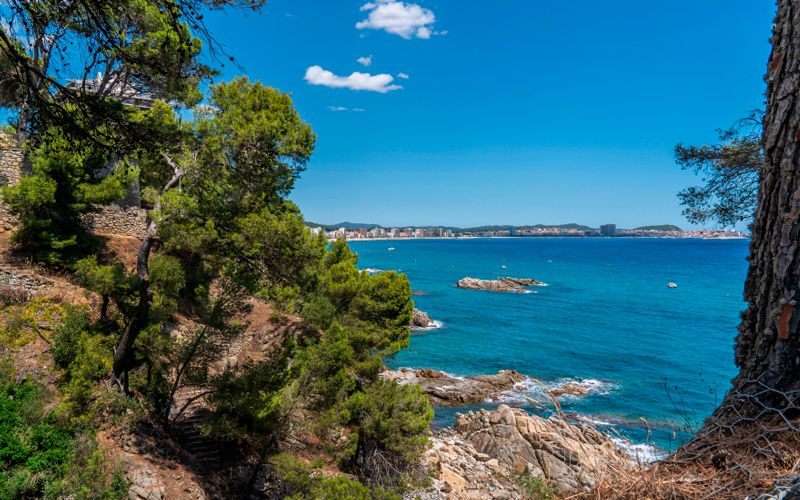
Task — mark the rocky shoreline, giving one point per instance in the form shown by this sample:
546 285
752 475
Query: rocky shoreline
487 453
445 390
518 285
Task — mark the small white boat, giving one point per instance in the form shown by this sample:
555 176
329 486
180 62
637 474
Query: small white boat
672 284
504 266
391 248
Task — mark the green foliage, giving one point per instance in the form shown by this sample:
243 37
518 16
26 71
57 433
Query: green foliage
21 323
110 281
89 475
69 179
730 173
536 488
303 481
254 401
394 417
40 456
33 448
167 279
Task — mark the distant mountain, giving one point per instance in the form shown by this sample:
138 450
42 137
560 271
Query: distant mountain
662 227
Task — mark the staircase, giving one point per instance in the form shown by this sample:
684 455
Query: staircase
188 430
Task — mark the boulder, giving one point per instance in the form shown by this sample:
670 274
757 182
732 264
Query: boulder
446 390
421 320
571 388
570 457
499 285
460 472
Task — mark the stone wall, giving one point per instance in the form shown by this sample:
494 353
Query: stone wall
125 218
114 219
17 279
12 166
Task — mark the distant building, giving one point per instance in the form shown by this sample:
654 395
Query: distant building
608 229
115 89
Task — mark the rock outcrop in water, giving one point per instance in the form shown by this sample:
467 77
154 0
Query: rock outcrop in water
498 285
445 390
421 320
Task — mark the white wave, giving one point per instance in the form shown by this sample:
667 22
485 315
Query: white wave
593 420
531 392
643 453
448 374
436 326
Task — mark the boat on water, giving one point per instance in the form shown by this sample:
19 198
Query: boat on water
672 284
391 248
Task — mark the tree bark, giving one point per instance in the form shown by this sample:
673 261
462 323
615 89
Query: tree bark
123 354
768 345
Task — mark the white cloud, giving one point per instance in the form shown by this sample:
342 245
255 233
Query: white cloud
365 61
399 18
382 83
342 108
404 76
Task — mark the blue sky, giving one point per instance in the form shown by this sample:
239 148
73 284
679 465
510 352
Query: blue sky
513 112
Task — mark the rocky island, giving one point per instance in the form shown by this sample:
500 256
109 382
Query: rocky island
421 320
498 285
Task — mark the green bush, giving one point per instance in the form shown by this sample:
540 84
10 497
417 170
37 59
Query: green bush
44 457
303 481
393 417
536 488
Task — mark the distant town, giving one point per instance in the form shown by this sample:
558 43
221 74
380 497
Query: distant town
356 231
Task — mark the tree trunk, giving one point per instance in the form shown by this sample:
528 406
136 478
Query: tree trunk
768 344
123 354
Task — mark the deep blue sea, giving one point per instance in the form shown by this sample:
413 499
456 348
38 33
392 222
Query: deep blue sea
606 320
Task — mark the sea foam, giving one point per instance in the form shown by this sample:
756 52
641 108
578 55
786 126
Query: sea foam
530 391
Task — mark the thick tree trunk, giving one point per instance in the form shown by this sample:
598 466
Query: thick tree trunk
768 345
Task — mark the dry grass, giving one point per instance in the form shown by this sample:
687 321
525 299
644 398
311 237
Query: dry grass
731 462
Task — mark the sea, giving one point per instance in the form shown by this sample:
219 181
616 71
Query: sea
655 360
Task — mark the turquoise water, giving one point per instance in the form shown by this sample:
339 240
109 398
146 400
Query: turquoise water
606 320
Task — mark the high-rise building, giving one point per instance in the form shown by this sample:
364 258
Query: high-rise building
608 229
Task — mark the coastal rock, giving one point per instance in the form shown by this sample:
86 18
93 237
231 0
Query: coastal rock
570 457
571 388
498 285
443 389
461 472
421 320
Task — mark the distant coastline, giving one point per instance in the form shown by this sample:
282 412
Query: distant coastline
359 231
410 238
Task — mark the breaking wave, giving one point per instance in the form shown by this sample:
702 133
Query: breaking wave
436 326
530 391
644 453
